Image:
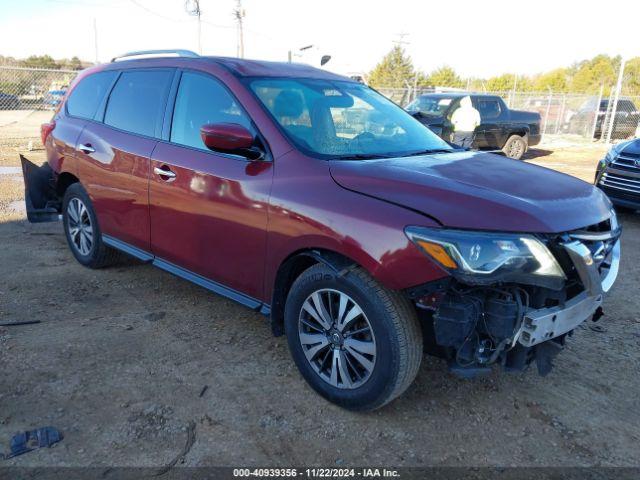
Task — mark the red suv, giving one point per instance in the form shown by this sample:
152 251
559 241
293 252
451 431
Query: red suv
316 201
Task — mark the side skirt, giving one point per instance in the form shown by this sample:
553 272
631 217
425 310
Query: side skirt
210 285
128 249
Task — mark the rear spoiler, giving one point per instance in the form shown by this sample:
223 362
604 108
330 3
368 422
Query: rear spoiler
40 196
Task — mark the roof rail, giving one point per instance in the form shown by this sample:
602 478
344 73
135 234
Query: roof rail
176 52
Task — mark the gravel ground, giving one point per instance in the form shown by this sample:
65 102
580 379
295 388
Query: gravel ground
128 360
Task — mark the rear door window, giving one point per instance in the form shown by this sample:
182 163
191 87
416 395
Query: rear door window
137 101
88 94
202 100
488 107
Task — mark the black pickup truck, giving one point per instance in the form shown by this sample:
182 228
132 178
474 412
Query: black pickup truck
511 131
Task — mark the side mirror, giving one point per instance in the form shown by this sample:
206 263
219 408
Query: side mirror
230 138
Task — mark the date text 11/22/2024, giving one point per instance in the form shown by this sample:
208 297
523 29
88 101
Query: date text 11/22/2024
316 472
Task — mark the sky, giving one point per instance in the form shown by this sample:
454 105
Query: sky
477 38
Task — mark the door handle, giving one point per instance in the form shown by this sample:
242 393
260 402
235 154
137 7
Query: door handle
168 175
86 148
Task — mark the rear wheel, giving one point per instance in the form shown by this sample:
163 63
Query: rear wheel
356 343
515 147
82 230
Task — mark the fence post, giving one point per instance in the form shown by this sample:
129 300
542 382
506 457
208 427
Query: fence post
561 114
615 101
546 115
596 113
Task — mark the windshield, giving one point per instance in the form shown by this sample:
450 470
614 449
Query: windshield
335 119
432 106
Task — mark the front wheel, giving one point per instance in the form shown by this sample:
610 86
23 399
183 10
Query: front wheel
515 147
355 342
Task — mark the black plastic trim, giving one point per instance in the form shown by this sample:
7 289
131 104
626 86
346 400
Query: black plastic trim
126 248
210 285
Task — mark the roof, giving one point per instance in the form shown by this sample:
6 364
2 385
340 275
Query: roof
456 94
238 66
262 68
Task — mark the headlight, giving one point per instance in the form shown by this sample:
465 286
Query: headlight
613 221
480 258
608 158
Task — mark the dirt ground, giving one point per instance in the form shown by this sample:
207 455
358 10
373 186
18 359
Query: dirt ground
122 356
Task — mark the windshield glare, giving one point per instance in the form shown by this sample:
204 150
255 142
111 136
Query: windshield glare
343 119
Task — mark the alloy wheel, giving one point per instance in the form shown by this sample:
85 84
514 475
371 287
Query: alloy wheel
337 338
516 150
79 226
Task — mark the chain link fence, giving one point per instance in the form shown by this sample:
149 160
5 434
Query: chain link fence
33 88
27 99
620 114
571 117
27 94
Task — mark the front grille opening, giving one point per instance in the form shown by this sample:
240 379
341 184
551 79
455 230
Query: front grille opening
620 182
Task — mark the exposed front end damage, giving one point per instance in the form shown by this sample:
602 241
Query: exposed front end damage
478 324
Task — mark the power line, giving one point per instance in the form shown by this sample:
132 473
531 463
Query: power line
159 15
83 3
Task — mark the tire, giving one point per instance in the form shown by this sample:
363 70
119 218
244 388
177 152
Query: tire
82 230
515 147
388 326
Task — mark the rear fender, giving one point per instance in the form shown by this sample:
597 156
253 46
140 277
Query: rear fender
40 196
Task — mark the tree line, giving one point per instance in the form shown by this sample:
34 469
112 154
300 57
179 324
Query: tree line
396 70
45 61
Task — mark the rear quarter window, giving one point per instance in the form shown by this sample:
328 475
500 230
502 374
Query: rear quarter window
626 106
137 101
86 97
488 107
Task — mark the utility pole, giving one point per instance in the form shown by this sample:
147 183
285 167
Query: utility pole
401 39
193 8
95 40
239 14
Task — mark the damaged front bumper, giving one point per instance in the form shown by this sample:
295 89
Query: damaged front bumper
515 324
548 323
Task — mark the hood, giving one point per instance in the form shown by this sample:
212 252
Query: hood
428 119
473 190
632 148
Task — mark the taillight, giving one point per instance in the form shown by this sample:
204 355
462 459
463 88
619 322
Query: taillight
46 129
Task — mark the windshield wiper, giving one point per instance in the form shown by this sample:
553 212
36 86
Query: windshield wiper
361 156
430 151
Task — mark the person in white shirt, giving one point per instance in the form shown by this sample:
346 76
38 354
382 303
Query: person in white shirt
464 121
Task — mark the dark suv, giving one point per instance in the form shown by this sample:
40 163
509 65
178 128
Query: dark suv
312 199
618 174
627 118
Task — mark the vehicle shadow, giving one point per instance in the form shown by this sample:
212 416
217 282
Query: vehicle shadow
536 153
